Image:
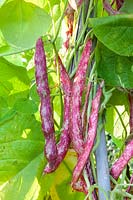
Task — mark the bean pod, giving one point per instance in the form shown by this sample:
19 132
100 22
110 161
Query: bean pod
93 121
63 145
45 108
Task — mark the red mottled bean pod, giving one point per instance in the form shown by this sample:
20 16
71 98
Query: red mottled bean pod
62 146
77 90
120 164
93 121
119 3
130 97
45 108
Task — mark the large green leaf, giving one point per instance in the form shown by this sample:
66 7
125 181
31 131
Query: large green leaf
22 23
115 32
7 49
26 184
114 69
13 79
21 140
22 163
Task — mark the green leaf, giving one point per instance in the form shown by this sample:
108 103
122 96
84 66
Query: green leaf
119 97
13 78
36 2
21 140
26 184
2 2
127 6
114 69
117 141
110 116
61 188
33 93
6 50
115 32
26 106
8 115
22 27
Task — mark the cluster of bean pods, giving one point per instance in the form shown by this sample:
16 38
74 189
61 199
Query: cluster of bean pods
75 117
75 121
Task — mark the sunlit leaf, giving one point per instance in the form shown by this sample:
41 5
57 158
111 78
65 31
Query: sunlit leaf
22 27
63 175
26 183
13 78
21 140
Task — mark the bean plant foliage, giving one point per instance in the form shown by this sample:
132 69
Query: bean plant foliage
66 133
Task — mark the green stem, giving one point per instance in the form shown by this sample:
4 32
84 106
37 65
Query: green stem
60 93
81 36
121 120
58 29
77 45
51 13
56 124
99 188
93 167
62 107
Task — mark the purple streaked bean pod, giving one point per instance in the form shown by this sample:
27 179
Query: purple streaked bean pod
119 3
93 121
63 145
80 186
77 90
121 163
45 108
84 110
